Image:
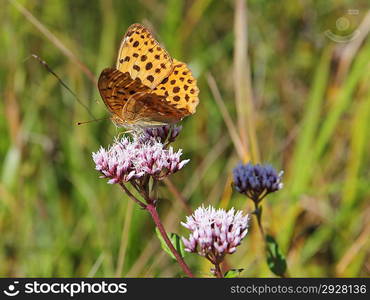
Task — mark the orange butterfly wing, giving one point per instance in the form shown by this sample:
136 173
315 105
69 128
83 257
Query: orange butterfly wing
143 57
116 88
180 88
147 110
148 88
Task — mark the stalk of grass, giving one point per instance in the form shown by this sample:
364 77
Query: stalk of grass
357 150
53 39
201 171
343 100
350 51
240 149
96 266
302 157
355 252
242 83
174 12
124 238
192 17
109 36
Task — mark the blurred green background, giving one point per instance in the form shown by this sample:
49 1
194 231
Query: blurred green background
293 76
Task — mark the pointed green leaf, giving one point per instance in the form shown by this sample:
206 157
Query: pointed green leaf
233 273
176 242
275 259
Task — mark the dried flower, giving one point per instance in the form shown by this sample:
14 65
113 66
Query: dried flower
130 159
167 133
215 233
256 181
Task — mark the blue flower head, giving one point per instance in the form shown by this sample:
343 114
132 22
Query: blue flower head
256 181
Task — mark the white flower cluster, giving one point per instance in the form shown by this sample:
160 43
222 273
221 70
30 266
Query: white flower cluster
131 159
215 232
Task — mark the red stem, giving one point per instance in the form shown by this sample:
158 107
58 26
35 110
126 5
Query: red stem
216 261
218 271
153 212
142 205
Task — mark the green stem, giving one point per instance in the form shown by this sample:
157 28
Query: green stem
258 213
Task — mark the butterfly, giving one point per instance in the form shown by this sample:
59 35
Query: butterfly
148 87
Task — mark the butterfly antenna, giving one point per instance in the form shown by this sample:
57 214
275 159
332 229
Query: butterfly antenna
44 63
90 121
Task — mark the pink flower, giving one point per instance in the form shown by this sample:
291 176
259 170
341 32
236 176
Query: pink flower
165 134
215 233
130 159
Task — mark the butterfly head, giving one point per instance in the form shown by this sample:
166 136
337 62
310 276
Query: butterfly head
118 121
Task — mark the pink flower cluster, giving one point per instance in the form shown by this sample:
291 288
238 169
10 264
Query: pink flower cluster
130 159
215 233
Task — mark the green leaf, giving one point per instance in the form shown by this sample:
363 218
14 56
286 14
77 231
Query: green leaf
176 242
233 273
275 259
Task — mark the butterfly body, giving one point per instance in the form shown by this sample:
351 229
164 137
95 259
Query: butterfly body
147 88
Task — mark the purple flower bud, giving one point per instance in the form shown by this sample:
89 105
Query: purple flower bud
167 133
256 181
